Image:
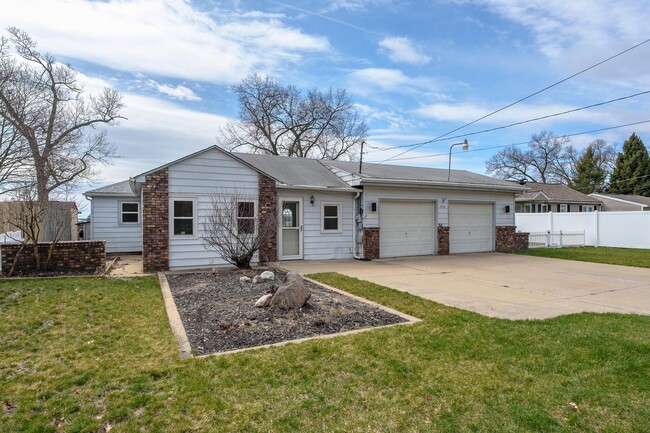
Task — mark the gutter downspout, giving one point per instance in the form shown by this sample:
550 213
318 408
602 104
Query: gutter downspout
354 231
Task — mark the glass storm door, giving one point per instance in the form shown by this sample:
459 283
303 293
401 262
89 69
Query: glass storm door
291 236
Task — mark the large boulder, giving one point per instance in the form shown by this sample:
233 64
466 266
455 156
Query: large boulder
293 294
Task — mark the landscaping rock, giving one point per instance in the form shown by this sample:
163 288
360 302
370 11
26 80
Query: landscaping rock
257 279
264 301
244 280
292 295
268 275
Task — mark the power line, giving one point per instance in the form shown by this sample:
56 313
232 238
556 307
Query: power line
516 144
527 121
417 145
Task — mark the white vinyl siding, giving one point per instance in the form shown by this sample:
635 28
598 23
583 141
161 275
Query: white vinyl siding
406 228
442 198
198 179
106 225
317 245
470 227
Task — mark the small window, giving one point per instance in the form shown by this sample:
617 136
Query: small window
129 213
331 221
587 208
543 207
528 207
246 217
183 217
563 208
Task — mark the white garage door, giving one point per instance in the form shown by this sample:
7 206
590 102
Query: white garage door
406 228
470 227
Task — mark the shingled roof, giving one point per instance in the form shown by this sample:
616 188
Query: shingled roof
554 193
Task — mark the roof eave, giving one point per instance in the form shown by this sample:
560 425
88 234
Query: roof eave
435 184
318 188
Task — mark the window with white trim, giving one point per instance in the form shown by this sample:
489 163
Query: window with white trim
528 207
543 207
331 218
246 217
587 208
564 207
129 212
183 217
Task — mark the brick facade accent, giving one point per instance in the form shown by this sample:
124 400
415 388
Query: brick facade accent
155 221
443 241
371 243
268 203
74 257
507 239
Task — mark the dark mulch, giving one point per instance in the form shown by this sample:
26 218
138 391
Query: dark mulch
219 313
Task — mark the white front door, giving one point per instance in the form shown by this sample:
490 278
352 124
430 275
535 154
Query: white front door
470 228
291 232
406 228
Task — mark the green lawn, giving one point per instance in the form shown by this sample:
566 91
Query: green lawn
80 355
612 256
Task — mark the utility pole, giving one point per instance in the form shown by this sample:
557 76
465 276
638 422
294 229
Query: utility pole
361 158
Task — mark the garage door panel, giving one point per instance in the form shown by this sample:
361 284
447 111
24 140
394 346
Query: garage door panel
471 227
406 228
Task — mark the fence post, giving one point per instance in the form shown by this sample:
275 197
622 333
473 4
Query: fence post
561 238
550 221
597 223
548 238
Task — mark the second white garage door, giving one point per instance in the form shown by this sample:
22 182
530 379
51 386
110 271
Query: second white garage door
470 227
406 228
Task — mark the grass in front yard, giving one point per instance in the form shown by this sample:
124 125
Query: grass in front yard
81 355
612 256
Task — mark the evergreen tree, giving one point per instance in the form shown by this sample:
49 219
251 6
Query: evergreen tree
589 176
631 173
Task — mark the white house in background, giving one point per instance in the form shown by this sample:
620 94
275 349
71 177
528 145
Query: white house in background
329 209
623 202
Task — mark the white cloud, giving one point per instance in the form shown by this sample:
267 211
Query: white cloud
167 38
402 50
179 92
367 81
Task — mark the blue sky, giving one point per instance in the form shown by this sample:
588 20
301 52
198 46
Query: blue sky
416 69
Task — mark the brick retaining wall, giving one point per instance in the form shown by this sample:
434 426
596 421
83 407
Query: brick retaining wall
371 242
443 241
75 257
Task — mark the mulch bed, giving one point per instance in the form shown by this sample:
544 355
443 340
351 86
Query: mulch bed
219 313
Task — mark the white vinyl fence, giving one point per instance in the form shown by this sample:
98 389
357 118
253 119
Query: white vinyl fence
601 229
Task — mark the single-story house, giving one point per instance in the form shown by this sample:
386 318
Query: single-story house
554 197
623 202
329 209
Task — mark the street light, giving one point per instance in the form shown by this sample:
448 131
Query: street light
465 147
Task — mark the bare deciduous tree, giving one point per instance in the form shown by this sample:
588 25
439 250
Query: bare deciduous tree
44 103
280 120
235 230
12 156
546 159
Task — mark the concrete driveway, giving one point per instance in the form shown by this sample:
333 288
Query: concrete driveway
504 285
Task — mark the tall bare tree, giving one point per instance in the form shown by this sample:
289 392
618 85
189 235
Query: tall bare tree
234 229
42 100
281 120
12 156
546 159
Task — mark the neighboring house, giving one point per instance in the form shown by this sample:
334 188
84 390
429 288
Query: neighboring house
59 225
554 197
328 210
623 202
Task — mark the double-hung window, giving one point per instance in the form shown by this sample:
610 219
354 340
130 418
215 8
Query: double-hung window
183 217
129 212
331 218
246 217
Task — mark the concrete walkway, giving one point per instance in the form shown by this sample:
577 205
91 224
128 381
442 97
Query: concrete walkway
503 285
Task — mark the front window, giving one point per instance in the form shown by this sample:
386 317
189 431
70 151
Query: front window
331 218
543 207
129 213
564 208
183 218
246 217
528 207
587 208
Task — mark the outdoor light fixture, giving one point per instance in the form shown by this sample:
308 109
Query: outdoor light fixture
507 209
465 147
312 200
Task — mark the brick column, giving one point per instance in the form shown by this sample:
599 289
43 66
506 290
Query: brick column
371 243
507 239
268 203
155 221
443 241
